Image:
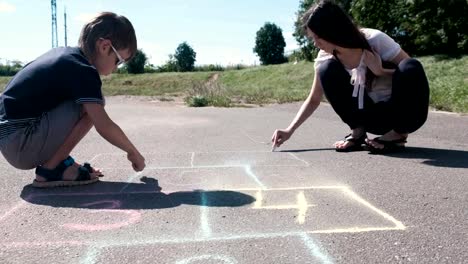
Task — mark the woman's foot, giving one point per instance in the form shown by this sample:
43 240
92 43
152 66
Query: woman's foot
395 138
352 141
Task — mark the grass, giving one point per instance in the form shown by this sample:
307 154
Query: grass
152 84
269 84
448 79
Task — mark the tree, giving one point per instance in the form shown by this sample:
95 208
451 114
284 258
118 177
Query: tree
307 49
383 15
439 26
390 16
137 64
269 44
169 66
185 57
421 27
10 68
306 46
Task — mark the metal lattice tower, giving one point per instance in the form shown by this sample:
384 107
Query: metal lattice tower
65 23
54 23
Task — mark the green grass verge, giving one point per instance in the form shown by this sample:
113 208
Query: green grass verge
448 79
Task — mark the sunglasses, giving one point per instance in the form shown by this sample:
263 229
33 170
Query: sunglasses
119 61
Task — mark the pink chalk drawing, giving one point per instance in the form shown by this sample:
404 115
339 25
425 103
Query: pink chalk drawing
133 217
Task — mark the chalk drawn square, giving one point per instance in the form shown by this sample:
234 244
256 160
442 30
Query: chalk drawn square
201 178
251 159
321 209
280 177
289 249
102 216
119 215
162 159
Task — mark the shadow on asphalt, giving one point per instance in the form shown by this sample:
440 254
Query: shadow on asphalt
125 196
305 150
436 157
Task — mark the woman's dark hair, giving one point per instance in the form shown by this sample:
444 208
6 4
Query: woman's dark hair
330 22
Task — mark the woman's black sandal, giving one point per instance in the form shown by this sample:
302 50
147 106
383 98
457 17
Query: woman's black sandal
390 146
357 143
54 177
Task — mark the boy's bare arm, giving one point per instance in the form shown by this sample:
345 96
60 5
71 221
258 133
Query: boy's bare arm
111 132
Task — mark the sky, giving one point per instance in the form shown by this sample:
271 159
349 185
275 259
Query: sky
219 31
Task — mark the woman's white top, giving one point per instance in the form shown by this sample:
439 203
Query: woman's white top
381 87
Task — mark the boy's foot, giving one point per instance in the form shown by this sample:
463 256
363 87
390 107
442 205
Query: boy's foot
67 173
71 173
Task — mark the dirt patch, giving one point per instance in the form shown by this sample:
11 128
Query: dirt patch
166 101
213 78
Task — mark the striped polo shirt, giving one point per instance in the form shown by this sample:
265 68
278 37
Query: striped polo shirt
62 74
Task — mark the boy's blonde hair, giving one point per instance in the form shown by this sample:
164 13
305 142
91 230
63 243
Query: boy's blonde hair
108 25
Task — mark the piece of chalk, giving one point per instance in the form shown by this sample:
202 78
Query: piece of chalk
273 148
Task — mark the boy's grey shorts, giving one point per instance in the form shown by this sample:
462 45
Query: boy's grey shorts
32 146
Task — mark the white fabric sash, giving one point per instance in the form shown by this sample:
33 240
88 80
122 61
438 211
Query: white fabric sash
358 80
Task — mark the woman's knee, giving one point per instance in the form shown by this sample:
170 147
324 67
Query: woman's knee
329 68
332 75
410 65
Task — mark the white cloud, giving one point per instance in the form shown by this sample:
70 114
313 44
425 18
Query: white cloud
7 7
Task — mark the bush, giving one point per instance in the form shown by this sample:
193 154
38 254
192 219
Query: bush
208 93
269 44
185 57
210 67
137 64
10 70
196 101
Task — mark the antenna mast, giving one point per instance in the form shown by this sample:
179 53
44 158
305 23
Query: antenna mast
54 23
65 21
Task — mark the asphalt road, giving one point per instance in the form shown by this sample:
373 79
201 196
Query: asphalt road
213 192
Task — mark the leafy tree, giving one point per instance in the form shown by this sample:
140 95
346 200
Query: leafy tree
169 66
383 15
421 27
307 49
439 26
269 44
389 16
10 68
306 46
185 57
137 64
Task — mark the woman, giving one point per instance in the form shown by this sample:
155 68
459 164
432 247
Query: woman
371 83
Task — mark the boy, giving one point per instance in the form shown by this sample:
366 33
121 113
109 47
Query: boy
54 101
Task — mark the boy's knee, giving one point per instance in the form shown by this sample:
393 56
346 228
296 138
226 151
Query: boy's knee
25 166
85 118
19 162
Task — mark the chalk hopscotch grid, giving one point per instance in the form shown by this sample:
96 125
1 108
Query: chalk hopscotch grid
313 247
